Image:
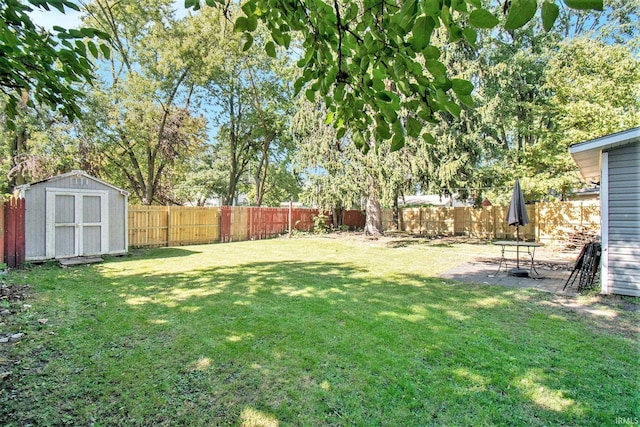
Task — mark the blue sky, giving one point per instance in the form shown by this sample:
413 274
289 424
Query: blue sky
70 19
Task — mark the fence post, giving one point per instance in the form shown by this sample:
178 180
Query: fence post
290 213
168 226
20 230
10 237
2 232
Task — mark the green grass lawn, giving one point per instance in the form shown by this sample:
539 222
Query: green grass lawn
310 332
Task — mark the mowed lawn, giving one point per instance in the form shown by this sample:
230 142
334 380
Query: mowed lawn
309 332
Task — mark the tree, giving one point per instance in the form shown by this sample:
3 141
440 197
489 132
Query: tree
351 50
340 175
39 146
537 94
251 99
39 67
139 120
40 71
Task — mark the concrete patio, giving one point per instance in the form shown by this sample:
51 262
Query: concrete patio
551 278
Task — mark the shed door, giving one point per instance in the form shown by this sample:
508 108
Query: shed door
77 223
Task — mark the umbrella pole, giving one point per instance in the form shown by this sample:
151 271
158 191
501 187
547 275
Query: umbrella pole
518 247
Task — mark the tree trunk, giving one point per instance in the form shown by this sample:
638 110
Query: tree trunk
18 146
396 213
337 217
373 222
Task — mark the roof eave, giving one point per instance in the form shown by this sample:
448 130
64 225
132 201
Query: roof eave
587 155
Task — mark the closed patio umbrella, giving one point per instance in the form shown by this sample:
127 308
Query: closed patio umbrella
517 215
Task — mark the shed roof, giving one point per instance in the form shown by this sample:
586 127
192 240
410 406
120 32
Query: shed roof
587 155
75 174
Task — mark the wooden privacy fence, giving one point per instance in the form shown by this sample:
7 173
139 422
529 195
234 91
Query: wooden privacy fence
547 221
12 231
163 226
170 225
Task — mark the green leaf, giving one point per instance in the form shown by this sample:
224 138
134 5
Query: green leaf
585 4
397 142
248 42
467 100
453 108
299 84
432 8
311 95
428 138
520 12
338 92
382 131
549 12
471 36
431 52
270 48
71 5
252 23
105 51
383 96
358 139
461 86
422 31
329 119
481 18
242 24
436 68
93 49
388 112
455 33
414 127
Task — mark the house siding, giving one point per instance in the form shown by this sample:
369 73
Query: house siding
623 225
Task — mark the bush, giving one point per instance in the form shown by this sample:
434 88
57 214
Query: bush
320 224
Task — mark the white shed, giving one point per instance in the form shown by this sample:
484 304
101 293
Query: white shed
73 215
613 161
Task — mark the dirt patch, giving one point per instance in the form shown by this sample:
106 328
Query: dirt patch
12 299
13 293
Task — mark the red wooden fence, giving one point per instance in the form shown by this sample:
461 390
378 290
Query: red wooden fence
13 232
225 224
353 219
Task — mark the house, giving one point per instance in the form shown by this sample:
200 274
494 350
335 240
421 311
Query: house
613 161
73 215
436 200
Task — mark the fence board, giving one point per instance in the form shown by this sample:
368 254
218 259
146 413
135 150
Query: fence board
353 219
239 224
225 224
2 232
14 231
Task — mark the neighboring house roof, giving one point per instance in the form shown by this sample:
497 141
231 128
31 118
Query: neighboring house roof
74 174
587 155
433 199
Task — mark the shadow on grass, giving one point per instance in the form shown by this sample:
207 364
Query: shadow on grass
160 253
324 343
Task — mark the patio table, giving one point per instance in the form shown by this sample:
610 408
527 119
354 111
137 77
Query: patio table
514 246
